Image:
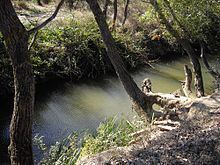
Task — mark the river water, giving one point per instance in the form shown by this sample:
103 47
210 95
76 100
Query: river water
82 106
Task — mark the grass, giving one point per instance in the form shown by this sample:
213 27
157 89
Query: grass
110 134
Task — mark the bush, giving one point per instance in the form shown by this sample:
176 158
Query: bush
76 50
111 133
61 153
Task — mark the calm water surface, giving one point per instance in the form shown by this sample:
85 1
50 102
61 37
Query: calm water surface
78 107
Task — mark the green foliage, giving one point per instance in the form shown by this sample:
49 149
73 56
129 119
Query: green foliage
149 17
195 15
65 152
76 50
111 133
199 18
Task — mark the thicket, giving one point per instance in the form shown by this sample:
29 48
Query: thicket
196 20
75 50
71 49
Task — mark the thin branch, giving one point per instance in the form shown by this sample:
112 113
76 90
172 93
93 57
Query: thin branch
33 40
125 12
215 74
105 10
115 5
31 31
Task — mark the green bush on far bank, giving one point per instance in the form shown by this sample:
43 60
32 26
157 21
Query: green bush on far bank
76 50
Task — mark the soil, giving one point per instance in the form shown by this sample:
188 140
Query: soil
195 140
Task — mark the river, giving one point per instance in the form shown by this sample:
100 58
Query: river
69 107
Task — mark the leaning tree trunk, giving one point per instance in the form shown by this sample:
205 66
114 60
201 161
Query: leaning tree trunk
130 86
214 73
186 46
115 6
126 12
16 38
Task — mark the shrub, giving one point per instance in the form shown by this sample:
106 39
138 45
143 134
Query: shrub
76 50
111 133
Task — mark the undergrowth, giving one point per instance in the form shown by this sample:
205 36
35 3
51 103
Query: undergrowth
76 50
111 133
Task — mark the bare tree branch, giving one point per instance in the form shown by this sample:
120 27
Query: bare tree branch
33 40
214 73
126 11
38 27
105 10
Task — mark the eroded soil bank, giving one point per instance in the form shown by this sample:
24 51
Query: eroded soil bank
193 139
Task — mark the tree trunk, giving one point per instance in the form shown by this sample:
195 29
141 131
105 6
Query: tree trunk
125 12
188 80
186 46
198 81
39 3
130 86
115 6
105 10
214 73
16 38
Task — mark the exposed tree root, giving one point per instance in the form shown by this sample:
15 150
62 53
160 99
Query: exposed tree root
192 140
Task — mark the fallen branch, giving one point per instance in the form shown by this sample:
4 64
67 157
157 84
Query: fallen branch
169 101
166 128
167 122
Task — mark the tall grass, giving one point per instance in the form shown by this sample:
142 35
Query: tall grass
111 133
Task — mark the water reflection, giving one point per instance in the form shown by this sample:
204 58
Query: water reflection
82 106
77 107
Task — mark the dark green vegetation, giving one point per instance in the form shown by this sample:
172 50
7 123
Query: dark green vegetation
73 49
111 133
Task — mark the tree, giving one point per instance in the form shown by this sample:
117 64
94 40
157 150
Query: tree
186 46
125 11
115 6
137 96
39 3
105 9
16 38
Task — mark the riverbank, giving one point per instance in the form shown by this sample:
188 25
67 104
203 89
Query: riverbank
71 48
194 139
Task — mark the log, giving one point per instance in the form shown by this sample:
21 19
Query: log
166 128
167 122
169 101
